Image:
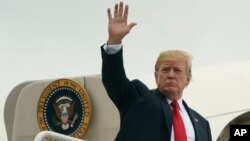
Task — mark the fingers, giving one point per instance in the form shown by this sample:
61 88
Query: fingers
125 16
118 12
109 14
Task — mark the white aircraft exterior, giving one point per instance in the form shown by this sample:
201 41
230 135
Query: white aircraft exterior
220 93
45 40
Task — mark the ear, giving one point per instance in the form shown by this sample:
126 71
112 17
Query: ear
188 81
156 75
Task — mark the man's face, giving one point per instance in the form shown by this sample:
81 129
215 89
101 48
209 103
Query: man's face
172 78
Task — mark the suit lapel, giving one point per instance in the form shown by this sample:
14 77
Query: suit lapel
167 116
167 112
195 121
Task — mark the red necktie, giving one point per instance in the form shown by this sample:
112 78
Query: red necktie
179 128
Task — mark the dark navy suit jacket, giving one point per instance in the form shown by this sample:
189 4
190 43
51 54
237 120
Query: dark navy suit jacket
145 114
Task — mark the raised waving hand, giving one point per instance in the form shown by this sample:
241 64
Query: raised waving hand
118 26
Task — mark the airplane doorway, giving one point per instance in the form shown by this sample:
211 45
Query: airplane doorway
243 119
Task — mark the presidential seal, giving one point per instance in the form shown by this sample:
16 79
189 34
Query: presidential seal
64 107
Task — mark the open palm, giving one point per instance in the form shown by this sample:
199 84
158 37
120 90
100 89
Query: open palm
118 27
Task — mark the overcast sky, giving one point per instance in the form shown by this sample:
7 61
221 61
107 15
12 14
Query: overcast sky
41 39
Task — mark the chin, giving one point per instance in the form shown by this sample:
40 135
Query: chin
168 91
171 89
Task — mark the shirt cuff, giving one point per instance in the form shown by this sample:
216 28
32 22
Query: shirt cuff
112 49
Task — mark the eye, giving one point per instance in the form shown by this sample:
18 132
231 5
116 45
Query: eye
165 70
178 70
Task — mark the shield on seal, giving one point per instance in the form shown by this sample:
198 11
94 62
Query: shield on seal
64 107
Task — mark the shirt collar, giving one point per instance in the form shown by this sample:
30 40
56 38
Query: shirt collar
179 102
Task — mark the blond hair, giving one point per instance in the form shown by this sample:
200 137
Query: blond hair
178 55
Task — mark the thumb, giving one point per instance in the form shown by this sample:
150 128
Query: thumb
131 25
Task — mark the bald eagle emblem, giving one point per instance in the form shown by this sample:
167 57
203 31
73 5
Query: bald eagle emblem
64 107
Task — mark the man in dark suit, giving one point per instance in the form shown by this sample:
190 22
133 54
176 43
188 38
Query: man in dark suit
147 115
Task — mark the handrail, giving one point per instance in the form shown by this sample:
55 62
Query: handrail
49 134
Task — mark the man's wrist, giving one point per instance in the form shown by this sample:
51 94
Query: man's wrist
112 41
112 49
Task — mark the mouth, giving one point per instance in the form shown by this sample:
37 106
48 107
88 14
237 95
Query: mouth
170 84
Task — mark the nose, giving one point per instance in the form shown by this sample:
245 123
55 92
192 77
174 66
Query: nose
171 74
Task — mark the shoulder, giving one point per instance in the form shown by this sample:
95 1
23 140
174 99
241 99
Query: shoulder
193 113
196 113
139 85
142 88
198 116
138 82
